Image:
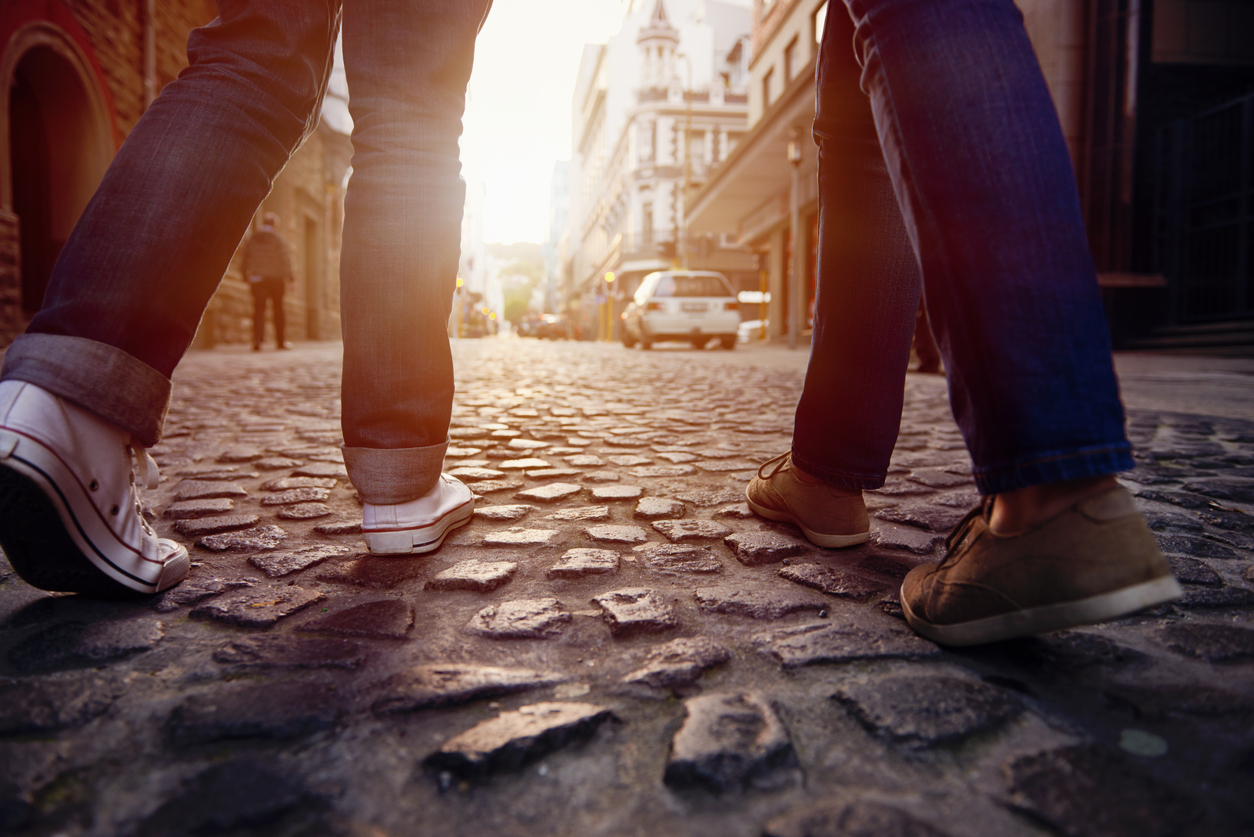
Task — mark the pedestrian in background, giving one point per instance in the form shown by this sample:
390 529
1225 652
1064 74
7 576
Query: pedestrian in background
980 170
268 271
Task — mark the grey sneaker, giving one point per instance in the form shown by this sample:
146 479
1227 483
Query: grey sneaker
829 516
70 516
1095 561
419 526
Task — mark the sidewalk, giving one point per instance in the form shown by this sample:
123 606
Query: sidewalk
615 645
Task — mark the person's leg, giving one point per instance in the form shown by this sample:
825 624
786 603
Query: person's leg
408 63
277 287
258 292
986 187
86 388
868 290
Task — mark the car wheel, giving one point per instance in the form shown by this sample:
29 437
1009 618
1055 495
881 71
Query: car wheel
646 343
698 343
727 341
628 340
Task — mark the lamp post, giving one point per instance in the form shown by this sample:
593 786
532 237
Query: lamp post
681 239
794 211
609 307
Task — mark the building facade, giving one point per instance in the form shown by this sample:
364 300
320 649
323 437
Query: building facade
75 77
655 109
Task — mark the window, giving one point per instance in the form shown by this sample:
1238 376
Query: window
817 21
766 88
692 285
646 223
790 59
696 148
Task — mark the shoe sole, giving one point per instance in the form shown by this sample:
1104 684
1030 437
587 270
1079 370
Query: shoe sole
419 540
1039 620
816 538
49 545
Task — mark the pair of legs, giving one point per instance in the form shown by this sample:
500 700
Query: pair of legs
87 387
270 288
957 169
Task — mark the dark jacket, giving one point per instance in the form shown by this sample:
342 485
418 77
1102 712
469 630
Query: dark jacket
266 254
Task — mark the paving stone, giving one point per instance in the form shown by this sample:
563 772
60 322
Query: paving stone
227 798
290 483
756 548
616 534
934 478
380 572
551 493
1196 598
1230 520
279 564
613 493
466 474
585 460
706 498
965 500
1195 547
582 561
662 471
339 527
552 473
906 539
739 511
461 452
198 527
683 531
928 517
220 474
287 652
275 711
1070 650
492 486
921 710
515 536
75 643
757 602
321 469
504 512
207 490
512 740
678 457
475 575
730 741
858 634
276 463
527 444
581 513
305 511
656 508
44 705
1085 790
1210 642
195 590
1232 491
294 496
383 619
521 619
525 464
257 538
678 662
634 610
831 581
863 818
257 607
1164 702
680 559
725 466
190 509
433 686
240 454
601 477
628 460
1172 523
1192 571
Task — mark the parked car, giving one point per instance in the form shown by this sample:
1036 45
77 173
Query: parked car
689 305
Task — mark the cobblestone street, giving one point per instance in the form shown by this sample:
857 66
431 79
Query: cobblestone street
615 645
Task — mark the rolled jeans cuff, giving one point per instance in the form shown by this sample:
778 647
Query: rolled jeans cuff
1097 461
388 476
103 379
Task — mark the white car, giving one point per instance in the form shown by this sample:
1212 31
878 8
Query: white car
689 305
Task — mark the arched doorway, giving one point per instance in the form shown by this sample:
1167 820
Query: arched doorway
59 143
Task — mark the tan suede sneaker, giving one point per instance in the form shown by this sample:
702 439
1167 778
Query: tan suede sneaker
1095 561
829 516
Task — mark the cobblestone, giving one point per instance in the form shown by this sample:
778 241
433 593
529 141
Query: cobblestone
295 685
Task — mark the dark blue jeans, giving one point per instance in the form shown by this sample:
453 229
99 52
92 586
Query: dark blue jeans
970 142
133 280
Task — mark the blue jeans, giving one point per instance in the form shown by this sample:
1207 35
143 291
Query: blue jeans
980 172
133 280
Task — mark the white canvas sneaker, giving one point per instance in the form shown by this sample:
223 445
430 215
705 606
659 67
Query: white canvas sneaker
70 516
420 525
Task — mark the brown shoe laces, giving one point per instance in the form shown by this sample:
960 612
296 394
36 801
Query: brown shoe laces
777 461
982 511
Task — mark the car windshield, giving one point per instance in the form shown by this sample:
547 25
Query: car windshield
708 284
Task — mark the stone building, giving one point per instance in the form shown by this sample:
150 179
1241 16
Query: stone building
75 77
654 109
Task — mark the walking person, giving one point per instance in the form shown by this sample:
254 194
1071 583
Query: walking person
967 132
85 390
268 271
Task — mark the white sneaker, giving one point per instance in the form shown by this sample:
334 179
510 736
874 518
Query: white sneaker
70 517
420 525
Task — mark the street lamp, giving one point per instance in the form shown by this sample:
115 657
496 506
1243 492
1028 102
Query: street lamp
608 330
795 263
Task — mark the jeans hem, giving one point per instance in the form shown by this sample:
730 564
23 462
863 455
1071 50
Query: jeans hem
842 480
103 379
1087 462
389 476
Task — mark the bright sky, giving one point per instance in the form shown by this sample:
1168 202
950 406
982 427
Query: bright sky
518 112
